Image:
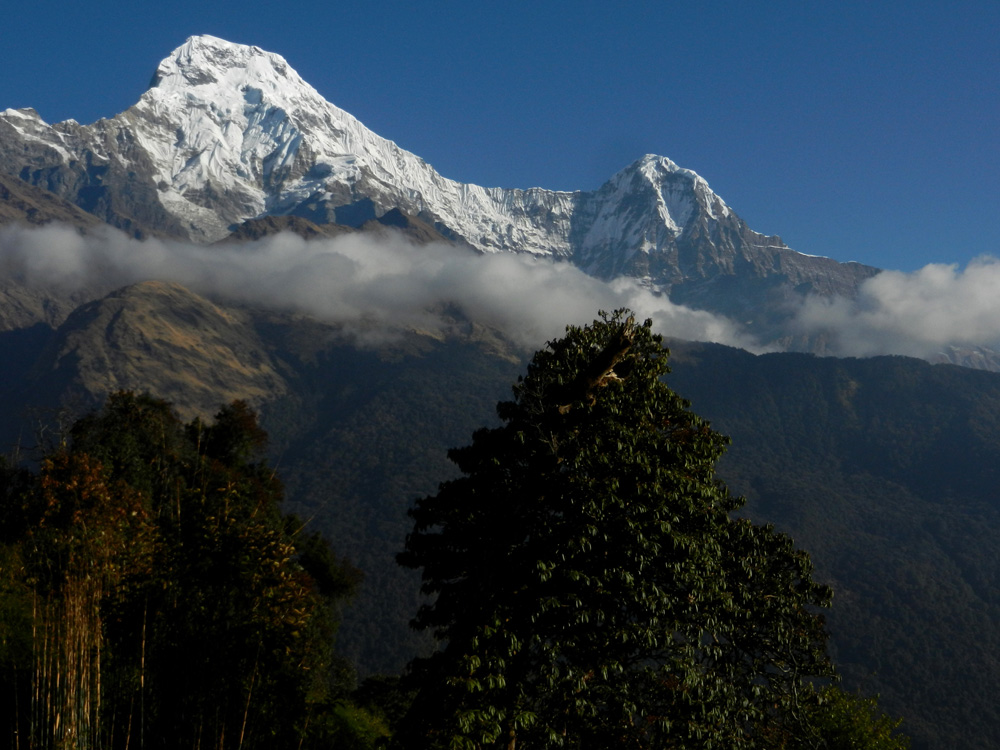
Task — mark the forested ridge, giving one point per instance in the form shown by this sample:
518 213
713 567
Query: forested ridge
856 459
885 469
880 468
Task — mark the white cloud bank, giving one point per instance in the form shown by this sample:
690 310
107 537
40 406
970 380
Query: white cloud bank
375 284
384 283
916 314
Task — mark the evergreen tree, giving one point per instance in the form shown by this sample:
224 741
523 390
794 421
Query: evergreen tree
591 588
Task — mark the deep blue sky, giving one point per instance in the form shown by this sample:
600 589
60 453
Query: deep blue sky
863 131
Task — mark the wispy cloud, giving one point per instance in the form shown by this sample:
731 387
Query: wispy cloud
915 314
356 279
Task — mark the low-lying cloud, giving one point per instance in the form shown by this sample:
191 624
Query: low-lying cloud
374 285
916 314
370 284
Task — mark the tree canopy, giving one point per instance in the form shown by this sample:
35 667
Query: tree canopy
591 587
153 594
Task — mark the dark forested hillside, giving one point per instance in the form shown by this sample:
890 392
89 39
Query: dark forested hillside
380 429
885 469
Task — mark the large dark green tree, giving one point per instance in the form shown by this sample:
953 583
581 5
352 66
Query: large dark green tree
591 587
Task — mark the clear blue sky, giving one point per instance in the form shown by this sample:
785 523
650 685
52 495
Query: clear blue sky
863 131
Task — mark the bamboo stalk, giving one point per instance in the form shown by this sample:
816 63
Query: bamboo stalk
246 710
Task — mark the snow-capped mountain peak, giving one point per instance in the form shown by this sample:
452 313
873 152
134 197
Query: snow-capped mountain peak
235 133
204 59
223 119
677 187
228 132
235 82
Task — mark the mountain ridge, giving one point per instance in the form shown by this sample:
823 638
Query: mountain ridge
229 133
158 337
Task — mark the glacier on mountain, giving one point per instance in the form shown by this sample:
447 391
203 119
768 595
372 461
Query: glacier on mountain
233 133
223 119
228 133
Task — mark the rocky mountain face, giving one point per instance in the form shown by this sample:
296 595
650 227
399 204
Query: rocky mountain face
23 306
164 339
25 203
229 134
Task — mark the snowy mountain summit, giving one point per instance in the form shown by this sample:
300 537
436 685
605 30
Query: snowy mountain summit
240 121
228 132
235 133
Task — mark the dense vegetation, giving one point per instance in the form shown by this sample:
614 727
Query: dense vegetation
153 595
371 435
883 469
591 588
835 452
